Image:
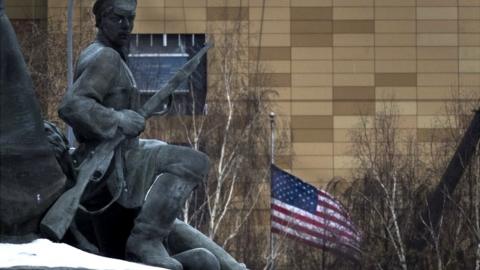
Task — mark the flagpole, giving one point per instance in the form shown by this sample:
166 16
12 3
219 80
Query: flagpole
272 130
272 161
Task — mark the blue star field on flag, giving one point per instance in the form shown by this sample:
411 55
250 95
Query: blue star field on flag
291 190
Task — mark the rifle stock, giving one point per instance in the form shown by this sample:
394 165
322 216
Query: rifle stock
56 221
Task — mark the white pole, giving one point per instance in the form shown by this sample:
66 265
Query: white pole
70 136
70 43
272 130
272 161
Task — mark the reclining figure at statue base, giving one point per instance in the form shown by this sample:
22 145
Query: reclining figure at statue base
130 200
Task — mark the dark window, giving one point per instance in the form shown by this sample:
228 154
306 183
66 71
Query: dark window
155 58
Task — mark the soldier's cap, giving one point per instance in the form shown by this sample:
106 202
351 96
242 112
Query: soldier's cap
120 7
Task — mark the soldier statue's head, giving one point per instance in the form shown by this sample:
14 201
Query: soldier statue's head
114 20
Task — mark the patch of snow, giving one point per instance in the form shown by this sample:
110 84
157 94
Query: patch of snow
45 253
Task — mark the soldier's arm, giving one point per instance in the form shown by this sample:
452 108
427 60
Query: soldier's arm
82 108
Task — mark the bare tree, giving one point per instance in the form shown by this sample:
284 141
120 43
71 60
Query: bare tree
235 134
395 176
381 160
234 131
44 46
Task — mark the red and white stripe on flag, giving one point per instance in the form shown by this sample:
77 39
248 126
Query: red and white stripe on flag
305 213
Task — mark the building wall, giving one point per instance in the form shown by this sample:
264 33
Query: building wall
336 61
26 9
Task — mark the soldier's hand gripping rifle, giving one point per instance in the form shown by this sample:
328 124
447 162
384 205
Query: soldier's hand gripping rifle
59 217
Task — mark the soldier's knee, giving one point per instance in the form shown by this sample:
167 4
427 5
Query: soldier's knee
196 161
186 162
203 163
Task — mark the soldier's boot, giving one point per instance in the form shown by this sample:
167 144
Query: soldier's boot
162 205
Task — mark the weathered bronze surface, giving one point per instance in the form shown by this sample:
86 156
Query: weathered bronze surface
103 109
30 178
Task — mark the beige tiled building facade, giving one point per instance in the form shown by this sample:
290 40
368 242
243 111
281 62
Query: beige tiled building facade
331 61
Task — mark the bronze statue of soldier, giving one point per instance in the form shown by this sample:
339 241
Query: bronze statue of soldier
148 180
102 102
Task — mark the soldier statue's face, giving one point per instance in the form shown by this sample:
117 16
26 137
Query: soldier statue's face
117 27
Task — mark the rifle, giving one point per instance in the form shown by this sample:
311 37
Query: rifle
60 215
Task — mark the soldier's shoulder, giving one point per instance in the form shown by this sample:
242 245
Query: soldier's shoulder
98 55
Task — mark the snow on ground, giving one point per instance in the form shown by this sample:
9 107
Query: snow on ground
44 253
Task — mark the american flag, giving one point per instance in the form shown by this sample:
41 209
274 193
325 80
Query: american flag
303 212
